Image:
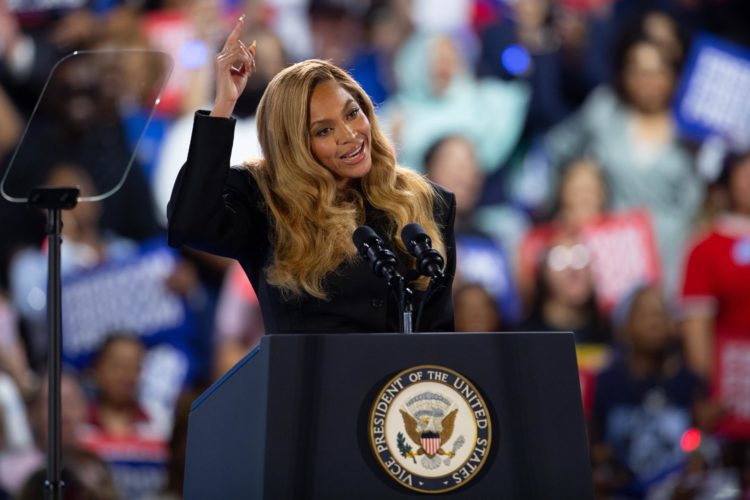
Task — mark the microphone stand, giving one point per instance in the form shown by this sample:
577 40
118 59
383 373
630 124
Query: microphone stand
404 297
54 200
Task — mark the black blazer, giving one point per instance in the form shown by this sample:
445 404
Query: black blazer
221 210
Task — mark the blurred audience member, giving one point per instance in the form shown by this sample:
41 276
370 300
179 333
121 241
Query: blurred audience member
441 16
337 29
475 309
643 402
388 26
17 452
132 441
540 42
24 461
10 132
25 60
72 417
716 308
239 323
84 475
452 163
564 296
13 357
581 198
437 96
630 132
716 288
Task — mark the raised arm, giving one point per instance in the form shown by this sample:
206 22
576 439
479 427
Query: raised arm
214 207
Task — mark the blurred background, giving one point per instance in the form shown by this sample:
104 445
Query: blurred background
600 155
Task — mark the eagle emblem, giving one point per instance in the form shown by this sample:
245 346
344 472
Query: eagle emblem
429 419
430 429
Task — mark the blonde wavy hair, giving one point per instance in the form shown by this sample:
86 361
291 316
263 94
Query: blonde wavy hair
313 220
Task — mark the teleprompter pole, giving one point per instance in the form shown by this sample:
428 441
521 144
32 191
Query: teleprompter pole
54 200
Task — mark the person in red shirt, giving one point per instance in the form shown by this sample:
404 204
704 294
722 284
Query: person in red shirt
716 304
716 286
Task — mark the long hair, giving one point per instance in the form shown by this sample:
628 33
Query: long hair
313 220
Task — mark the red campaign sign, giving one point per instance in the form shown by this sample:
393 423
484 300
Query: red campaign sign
731 382
623 253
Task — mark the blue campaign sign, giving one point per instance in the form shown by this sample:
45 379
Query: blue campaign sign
712 97
130 295
481 260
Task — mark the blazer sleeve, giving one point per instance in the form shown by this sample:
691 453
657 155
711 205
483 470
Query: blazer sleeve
215 207
438 310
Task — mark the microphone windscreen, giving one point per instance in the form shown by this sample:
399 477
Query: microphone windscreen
412 231
363 234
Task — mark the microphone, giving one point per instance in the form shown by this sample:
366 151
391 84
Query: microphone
418 243
370 246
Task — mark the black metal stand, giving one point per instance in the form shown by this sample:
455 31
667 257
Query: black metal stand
404 296
54 200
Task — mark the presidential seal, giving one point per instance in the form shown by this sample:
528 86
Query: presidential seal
430 429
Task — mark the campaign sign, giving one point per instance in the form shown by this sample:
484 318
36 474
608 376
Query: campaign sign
138 463
623 254
130 295
731 382
481 260
712 97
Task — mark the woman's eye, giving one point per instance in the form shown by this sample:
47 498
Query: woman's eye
353 113
323 132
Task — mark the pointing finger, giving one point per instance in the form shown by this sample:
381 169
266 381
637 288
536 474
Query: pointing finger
236 32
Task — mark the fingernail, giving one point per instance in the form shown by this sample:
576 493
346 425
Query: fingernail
252 45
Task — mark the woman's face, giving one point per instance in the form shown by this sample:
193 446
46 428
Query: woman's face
339 133
648 79
445 65
475 310
582 193
649 327
455 168
118 371
568 274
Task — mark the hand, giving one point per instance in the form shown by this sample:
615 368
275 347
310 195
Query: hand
10 31
234 65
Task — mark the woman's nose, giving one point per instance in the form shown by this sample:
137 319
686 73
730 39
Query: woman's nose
346 133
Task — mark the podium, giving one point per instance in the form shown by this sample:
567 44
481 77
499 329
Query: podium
292 419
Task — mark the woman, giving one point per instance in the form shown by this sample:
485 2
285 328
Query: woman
288 219
581 198
716 303
630 132
645 401
565 295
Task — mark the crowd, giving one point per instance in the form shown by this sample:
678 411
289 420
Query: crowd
584 204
